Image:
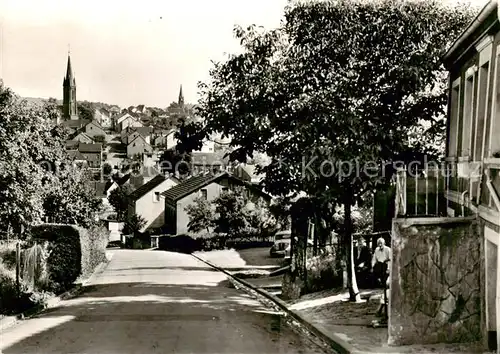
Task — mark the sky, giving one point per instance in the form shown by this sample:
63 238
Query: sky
123 52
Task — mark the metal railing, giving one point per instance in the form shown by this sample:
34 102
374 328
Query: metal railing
421 192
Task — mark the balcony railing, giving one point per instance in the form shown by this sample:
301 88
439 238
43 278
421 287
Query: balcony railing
461 184
420 192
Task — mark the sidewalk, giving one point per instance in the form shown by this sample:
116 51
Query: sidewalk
330 312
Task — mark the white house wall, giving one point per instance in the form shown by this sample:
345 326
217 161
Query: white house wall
149 209
213 191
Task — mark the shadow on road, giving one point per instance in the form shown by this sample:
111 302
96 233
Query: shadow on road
151 317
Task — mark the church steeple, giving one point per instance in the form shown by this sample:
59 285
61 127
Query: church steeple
69 94
181 98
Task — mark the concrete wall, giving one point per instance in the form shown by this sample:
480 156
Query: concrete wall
435 281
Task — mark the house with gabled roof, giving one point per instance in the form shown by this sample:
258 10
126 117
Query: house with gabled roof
130 121
92 154
83 138
164 138
147 201
76 156
140 109
130 133
94 129
114 110
76 124
103 117
132 180
126 119
72 145
208 186
138 146
203 162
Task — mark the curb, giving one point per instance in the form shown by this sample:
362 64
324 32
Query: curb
52 302
337 343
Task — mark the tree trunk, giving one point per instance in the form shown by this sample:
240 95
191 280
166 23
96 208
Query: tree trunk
349 251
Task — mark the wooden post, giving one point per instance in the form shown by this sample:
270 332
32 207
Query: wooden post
426 190
447 184
438 175
34 267
416 192
405 187
398 194
18 267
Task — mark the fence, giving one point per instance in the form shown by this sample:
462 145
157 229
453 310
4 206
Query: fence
420 192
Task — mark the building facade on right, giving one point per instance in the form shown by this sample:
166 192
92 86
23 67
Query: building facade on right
445 268
473 145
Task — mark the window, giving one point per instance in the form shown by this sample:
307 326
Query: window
464 131
454 116
493 145
157 197
204 194
482 100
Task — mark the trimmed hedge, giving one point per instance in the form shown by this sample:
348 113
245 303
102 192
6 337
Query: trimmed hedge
188 244
65 253
93 242
74 251
181 244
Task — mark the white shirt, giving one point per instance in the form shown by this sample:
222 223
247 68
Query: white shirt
381 255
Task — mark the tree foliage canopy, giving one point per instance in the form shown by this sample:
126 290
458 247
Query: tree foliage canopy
119 198
339 81
334 95
231 213
37 177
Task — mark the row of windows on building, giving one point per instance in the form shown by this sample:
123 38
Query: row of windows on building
475 109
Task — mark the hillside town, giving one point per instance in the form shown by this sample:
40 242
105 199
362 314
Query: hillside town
333 189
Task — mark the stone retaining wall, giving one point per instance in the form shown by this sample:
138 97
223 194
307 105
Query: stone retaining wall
435 281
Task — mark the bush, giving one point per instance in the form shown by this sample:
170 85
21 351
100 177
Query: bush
74 251
11 302
322 272
65 259
8 255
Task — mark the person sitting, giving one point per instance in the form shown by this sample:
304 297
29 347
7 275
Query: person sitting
363 263
380 260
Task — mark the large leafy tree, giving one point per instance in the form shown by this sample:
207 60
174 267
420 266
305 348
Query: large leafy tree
37 178
333 94
119 198
201 215
86 110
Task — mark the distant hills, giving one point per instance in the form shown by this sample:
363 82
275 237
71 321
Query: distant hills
40 101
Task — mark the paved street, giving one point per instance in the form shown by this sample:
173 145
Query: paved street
156 302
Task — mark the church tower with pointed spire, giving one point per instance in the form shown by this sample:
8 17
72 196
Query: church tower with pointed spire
181 98
69 94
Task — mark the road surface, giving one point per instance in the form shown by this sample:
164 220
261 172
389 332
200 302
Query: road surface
156 302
